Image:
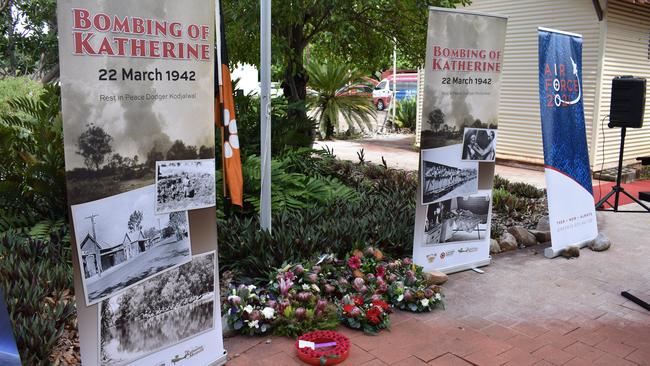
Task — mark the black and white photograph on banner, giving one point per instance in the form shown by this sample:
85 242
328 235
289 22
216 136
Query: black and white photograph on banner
479 144
184 185
445 176
158 313
115 134
457 98
121 241
458 219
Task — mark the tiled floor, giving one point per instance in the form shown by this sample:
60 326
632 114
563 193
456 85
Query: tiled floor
524 310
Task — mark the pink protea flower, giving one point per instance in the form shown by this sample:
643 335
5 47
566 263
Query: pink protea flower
312 277
355 312
329 288
408 295
304 296
358 283
300 313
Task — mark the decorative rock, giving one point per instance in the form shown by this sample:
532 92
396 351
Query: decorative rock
435 277
541 236
571 251
508 242
523 236
600 244
494 247
543 224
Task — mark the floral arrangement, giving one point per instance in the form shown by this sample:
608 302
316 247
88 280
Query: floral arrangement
408 290
358 291
300 304
367 314
249 310
325 356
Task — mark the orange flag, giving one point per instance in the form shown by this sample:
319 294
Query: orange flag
224 117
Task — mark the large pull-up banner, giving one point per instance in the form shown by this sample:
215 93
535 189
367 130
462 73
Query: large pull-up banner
572 214
458 144
137 87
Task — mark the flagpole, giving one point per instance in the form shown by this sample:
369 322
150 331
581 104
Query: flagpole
265 113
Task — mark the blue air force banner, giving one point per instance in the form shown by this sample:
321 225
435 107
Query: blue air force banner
571 209
458 140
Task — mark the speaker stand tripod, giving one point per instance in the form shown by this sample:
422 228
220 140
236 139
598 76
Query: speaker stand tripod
617 189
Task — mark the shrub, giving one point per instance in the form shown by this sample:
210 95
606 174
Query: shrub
292 190
36 276
500 182
329 104
525 190
383 215
31 160
17 87
406 113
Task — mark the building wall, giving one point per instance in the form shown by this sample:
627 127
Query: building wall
627 52
520 136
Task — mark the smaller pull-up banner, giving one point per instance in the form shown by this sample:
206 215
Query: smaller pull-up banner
572 214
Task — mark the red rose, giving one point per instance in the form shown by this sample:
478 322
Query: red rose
373 315
358 300
381 303
381 271
348 308
354 262
374 320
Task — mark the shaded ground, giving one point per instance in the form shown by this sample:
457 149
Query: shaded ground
524 310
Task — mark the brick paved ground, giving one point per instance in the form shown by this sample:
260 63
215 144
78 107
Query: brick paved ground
524 310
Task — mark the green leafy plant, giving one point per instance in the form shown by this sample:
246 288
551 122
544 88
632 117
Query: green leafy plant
329 105
31 159
290 190
36 276
406 113
500 182
525 190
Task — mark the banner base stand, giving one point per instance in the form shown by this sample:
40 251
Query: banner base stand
465 267
552 253
221 360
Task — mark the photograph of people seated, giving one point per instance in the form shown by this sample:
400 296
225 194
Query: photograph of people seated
458 219
479 144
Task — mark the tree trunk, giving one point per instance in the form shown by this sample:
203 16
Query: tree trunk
295 76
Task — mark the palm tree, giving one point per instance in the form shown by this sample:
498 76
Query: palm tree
328 103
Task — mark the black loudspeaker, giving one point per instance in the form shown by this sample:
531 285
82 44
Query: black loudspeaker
627 102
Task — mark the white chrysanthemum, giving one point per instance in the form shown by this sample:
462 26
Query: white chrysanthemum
438 297
248 309
400 298
424 302
268 312
305 287
254 324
